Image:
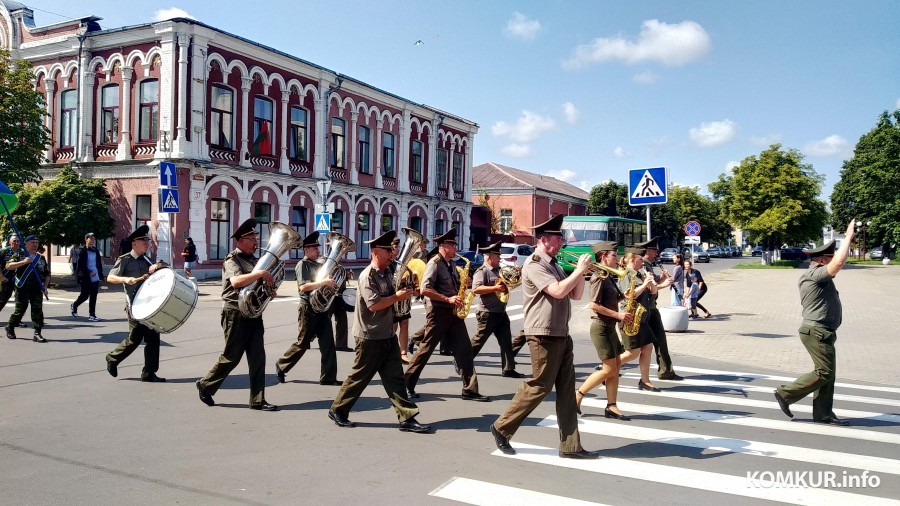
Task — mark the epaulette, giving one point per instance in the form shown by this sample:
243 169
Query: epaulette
535 258
123 256
435 259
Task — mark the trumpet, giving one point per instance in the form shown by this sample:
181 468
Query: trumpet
600 270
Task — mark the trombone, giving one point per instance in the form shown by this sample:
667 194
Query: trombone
596 268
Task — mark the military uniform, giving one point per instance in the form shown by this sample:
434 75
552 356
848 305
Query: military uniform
242 334
310 325
645 334
377 349
442 325
654 320
491 315
8 286
28 290
604 292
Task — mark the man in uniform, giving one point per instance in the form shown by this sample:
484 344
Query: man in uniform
8 276
311 324
664 369
131 269
491 315
377 349
242 334
546 299
28 266
822 314
441 288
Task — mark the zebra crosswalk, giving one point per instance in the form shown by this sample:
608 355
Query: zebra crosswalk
702 440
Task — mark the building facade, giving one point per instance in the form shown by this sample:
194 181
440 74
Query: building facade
250 129
520 200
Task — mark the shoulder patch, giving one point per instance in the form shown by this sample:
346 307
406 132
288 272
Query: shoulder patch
123 256
436 259
535 258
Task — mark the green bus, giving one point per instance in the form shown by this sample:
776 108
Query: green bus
582 232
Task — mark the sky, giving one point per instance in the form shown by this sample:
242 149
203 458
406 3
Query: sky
586 90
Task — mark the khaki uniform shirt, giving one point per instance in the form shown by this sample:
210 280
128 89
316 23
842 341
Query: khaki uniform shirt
439 278
605 293
819 298
373 286
306 271
643 299
235 264
485 276
544 315
131 265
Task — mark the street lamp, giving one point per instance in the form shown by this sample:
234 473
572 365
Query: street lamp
861 230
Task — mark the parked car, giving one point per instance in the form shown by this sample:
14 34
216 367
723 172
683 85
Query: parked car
667 255
717 252
757 251
876 253
514 254
476 260
696 253
792 254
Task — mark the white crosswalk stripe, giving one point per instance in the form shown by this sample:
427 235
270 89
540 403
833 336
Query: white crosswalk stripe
490 494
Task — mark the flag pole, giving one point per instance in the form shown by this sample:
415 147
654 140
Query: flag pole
30 268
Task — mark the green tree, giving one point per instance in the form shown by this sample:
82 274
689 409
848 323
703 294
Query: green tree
61 210
23 136
687 204
867 189
774 197
611 199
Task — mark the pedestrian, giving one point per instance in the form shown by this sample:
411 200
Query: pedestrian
491 315
547 293
189 255
442 289
7 277
131 270
28 266
242 334
822 315
690 297
377 350
677 287
702 286
88 274
665 370
311 324
604 304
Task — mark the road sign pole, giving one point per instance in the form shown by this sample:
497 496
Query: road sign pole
649 234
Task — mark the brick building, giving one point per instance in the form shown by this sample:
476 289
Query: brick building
250 130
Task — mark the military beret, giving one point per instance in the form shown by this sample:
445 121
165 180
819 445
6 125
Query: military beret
490 248
142 232
247 227
448 238
384 241
651 244
31 238
603 246
553 226
825 249
311 240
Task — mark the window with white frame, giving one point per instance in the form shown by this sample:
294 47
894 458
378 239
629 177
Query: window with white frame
337 221
337 143
365 150
387 149
457 171
505 222
68 118
441 168
109 114
298 140
415 163
148 115
143 210
219 228
221 119
262 213
262 127
439 227
362 235
298 221
416 223
387 222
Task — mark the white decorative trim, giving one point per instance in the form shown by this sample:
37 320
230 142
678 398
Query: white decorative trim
142 150
299 167
442 192
416 187
107 152
263 162
389 182
64 156
222 155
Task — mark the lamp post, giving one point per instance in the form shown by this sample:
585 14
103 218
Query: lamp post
861 230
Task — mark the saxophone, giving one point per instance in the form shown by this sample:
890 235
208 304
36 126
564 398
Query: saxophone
464 293
634 308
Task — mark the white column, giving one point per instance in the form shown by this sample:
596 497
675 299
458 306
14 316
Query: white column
403 161
197 199
432 161
379 124
403 212
245 105
244 210
180 144
85 118
124 151
167 95
450 156
198 99
353 147
319 168
48 120
283 163
467 168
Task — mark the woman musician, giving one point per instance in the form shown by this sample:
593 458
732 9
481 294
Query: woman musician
640 345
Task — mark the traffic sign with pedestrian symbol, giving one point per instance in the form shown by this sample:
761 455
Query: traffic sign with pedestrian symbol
648 186
168 200
323 222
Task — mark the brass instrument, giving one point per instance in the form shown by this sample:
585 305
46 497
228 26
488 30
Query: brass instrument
252 299
597 268
633 308
511 276
464 293
320 299
410 271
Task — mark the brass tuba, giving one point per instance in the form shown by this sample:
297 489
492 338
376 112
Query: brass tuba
252 299
511 276
409 271
320 299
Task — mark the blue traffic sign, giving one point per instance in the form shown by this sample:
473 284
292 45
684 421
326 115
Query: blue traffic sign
167 174
168 200
692 228
323 223
648 186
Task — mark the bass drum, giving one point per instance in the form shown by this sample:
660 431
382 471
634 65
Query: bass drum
165 301
349 297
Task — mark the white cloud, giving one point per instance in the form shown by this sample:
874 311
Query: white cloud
529 127
620 153
520 27
671 45
584 185
645 77
572 114
833 145
714 133
656 146
765 141
170 13
731 164
563 175
517 150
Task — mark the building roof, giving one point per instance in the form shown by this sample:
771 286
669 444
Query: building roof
493 176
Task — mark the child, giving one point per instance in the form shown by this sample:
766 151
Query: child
690 295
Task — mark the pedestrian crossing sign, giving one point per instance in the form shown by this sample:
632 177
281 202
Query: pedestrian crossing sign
168 200
323 223
648 186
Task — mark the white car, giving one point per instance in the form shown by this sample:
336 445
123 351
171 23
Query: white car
514 254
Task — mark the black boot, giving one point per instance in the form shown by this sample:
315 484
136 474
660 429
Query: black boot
10 332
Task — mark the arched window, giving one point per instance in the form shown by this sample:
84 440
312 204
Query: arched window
109 114
262 212
415 163
298 140
148 114
363 224
387 168
298 221
219 228
68 118
338 149
221 118
262 127
365 151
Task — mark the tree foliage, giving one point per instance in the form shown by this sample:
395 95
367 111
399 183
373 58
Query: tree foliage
60 211
23 136
774 197
611 199
867 189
